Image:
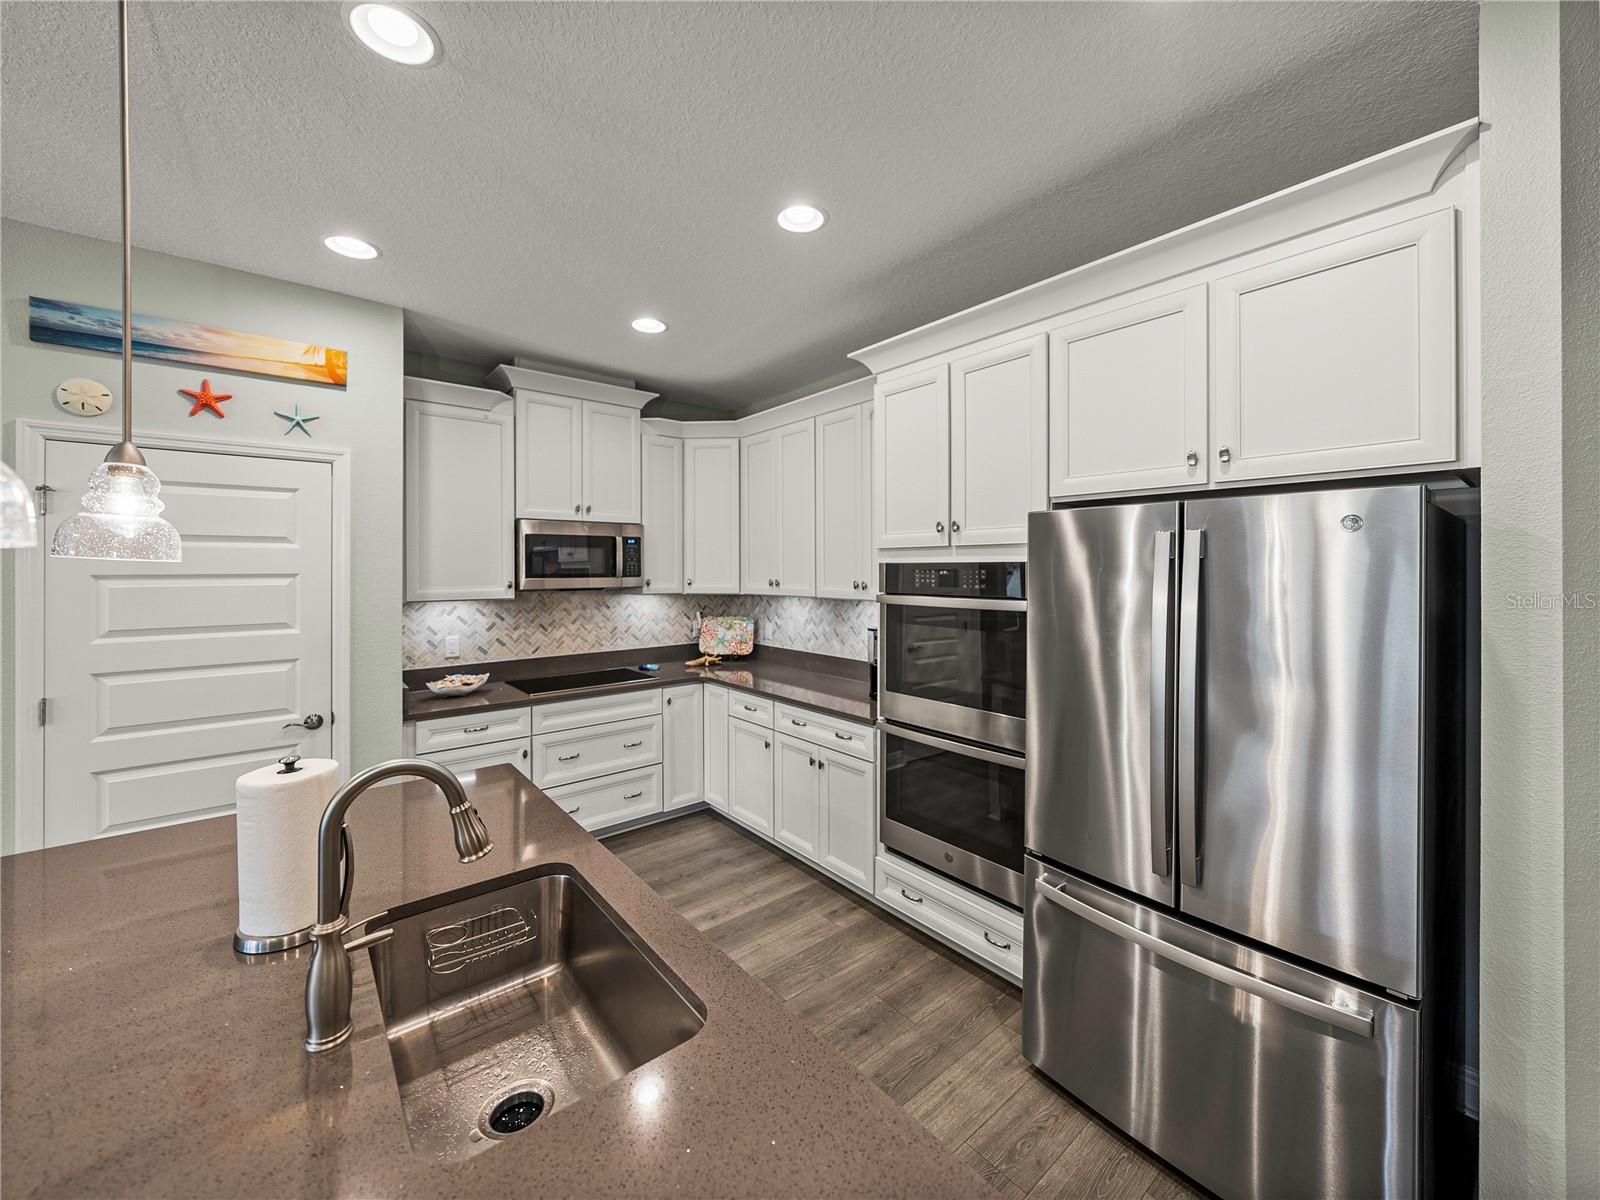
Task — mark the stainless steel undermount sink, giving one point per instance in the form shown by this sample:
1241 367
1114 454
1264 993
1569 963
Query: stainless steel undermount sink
508 999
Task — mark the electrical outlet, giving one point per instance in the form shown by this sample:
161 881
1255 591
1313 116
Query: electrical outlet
452 646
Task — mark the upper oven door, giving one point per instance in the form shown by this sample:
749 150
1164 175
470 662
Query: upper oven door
956 665
577 554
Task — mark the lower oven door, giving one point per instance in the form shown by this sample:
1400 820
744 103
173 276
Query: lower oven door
955 807
1257 1077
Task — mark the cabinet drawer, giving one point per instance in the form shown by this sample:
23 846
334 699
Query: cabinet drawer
601 750
833 732
985 932
470 729
598 803
556 715
755 709
469 759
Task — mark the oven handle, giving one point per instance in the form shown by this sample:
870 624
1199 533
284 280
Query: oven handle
955 602
982 753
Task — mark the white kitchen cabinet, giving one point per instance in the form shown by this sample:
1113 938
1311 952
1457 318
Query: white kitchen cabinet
662 464
716 746
459 501
468 759
1128 395
847 805
758 513
711 515
998 464
912 459
844 504
683 750
797 797
577 460
779 516
584 753
598 804
750 775
1338 352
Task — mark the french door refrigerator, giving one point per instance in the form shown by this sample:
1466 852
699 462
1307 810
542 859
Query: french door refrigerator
1245 737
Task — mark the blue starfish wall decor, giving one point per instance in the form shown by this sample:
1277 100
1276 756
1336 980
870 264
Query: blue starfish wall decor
297 421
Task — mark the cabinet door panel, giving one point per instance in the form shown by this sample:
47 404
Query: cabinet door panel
912 453
469 759
549 458
1339 357
798 787
1128 396
610 462
711 515
758 513
663 513
998 407
683 750
750 775
849 811
795 565
843 498
460 495
716 747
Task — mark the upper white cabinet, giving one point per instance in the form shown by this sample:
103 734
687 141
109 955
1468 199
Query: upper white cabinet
459 461
662 459
997 443
844 503
683 755
1338 353
913 459
711 515
1128 395
610 462
577 460
780 511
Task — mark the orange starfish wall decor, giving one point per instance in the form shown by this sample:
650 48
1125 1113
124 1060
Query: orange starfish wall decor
206 398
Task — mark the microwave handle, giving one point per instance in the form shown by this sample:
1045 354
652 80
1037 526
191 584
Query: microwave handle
981 753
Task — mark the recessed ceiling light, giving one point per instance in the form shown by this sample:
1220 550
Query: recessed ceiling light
802 218
350 247
393 32
649 325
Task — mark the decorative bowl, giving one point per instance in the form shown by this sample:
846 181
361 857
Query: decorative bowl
457 685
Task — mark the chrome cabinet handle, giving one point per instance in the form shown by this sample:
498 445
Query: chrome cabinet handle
688 583
577 508
632 795
910 897
955 526
810 761
524 754
1160 705
312 721
475 729
749 708
631 745
797 722
647 582
938 526
573 811
843 736
766 745
777 583
1192 459
1225 455
1189 601
510 587
995 944
588 508
569 757
669 701
820 764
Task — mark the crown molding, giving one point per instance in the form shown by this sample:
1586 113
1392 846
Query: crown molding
512 378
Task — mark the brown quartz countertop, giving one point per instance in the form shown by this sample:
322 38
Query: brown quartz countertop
811 681
143 1057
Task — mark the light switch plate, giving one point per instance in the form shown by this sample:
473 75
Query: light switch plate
452 646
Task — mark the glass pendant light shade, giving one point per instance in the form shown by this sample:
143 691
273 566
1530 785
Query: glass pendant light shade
19 524
121 518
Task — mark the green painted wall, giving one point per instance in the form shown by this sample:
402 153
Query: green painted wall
1539 80
367 417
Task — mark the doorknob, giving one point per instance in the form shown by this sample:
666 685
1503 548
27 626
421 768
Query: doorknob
312 721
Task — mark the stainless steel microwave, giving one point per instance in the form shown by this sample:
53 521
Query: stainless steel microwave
556 555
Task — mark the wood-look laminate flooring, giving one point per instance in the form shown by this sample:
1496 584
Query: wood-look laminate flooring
937 1033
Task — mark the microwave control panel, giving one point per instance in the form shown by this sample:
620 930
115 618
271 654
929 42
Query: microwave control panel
630 558
986 580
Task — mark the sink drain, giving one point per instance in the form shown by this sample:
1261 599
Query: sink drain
514 1110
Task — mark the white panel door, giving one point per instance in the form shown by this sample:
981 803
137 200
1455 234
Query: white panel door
549 456
797 794
683 750
1339 357
758 513
460 502
716 748
750 775
844 532
998 464
711 515
663 513
795 565
848 806
912 456
469 759
1128 396
167 681
610 462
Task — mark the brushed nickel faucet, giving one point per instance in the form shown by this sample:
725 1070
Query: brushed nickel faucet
328 983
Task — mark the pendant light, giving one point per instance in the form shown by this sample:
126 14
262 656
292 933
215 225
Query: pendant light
121 515
18 524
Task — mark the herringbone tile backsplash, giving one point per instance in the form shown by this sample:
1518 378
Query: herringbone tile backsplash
536 625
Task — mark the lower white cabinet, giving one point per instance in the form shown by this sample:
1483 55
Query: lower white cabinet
847 810
575 754
716 752
468 759
797 802
984 930
683 750
611 799
750 782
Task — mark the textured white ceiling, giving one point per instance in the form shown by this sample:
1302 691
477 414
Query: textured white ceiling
568 167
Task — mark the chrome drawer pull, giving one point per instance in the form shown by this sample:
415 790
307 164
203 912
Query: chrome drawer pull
910 897
633 795
995 944
574 810
475 729
847 737
631 745
750 708
797 723
569 757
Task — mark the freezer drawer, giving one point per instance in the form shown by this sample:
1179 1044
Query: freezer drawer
1257 1077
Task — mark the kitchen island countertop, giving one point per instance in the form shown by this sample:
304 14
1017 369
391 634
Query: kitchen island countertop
143 1057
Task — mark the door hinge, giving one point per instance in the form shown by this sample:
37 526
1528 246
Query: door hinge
44 490
44 709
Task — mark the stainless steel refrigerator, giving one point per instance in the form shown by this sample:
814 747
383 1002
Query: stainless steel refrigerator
1247 762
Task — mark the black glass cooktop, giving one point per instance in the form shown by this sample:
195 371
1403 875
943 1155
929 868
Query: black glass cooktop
582 679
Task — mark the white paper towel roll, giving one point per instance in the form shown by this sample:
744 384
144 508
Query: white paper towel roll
278 816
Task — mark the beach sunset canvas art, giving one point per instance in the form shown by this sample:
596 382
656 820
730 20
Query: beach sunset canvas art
86 327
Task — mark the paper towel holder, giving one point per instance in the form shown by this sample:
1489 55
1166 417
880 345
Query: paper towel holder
253 944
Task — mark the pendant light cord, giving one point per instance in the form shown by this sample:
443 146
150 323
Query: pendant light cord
127 235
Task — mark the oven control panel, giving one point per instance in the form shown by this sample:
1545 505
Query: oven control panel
986 580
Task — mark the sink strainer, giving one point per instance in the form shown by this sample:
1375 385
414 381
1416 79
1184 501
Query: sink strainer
515 1109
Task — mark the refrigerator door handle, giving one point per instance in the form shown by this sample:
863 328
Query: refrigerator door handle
1194 551
1161 706
1352 1020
